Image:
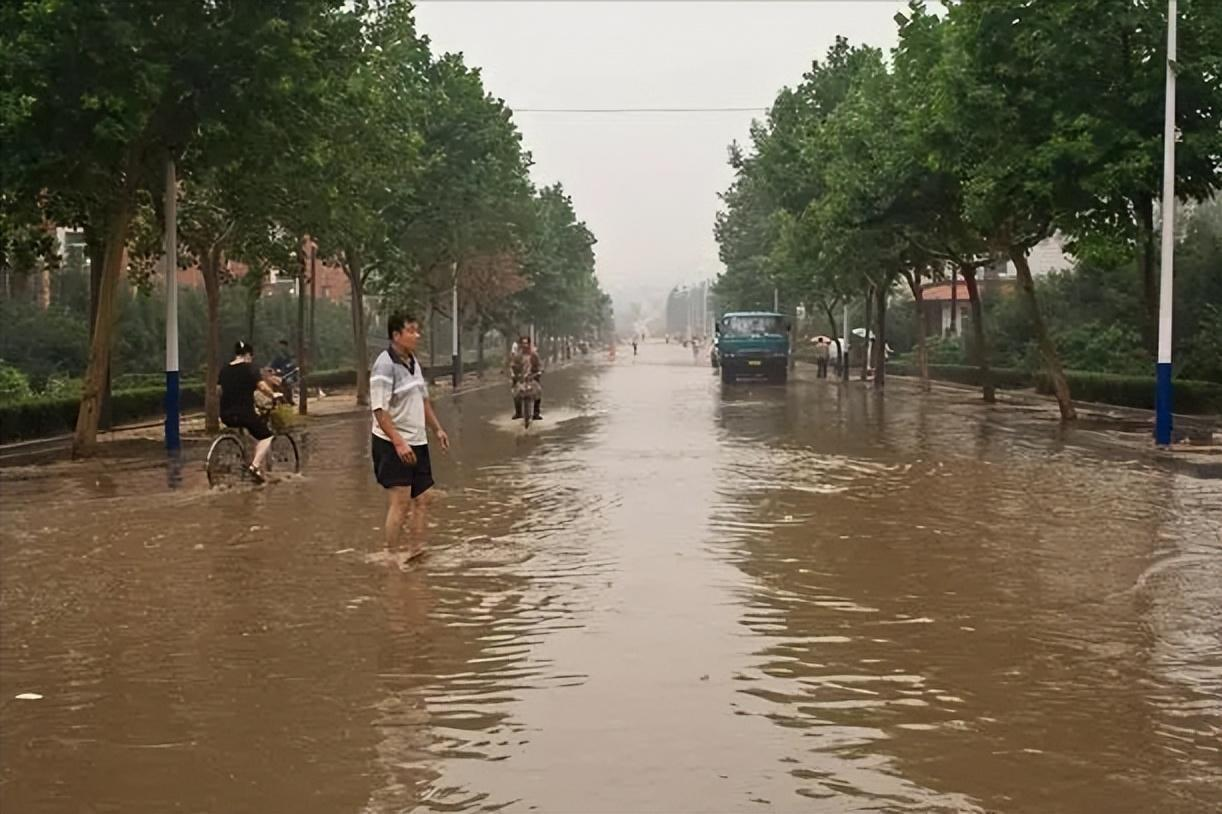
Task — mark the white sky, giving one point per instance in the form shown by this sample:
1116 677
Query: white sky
646 183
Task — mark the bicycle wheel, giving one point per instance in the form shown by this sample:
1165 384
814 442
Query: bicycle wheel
226 461
282 458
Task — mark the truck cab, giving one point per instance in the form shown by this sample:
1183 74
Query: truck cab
753 343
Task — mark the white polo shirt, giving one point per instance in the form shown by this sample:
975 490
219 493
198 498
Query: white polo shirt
397 386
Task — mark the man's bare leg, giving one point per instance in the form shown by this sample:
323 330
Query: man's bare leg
399 504
419 524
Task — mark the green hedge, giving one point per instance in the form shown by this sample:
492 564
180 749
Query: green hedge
1191 397
41 417
345 377
1006 378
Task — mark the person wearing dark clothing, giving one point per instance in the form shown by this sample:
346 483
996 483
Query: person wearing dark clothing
284 367
239 380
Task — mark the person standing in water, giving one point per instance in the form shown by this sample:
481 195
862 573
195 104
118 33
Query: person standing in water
402 416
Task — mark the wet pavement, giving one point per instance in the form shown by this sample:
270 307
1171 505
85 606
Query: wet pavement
669 596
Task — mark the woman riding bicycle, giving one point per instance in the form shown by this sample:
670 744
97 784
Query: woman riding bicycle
526 368
239 381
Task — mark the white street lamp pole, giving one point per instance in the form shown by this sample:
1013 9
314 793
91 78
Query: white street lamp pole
1163 392
172 440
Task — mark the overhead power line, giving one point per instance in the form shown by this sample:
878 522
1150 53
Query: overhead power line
640 109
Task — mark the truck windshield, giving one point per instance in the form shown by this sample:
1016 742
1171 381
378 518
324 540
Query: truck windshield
752 326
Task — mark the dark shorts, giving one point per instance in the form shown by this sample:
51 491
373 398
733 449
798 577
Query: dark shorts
390 470
251 422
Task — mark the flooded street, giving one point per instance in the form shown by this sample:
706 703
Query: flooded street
668 596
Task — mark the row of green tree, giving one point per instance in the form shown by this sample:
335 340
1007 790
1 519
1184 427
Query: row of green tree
300 131
1093 313
991 127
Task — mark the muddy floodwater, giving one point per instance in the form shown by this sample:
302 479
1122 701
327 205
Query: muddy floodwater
669 596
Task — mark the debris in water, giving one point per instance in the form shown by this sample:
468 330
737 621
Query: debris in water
29 696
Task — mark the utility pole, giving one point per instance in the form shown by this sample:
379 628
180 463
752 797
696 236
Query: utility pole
172 408
455 360
313 352
301 318
704 308
1162 389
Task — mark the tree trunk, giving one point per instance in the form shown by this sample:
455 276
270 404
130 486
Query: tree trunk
43 294
918 297
1051 361
456 374
252 304
302 404
432 333
84 440
865 356
479 352
831 321
1149 276
210 269
954 304
980 348
352 268
313 357
95 246
880 355
19 285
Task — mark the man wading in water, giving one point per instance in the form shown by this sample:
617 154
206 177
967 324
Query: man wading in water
402 410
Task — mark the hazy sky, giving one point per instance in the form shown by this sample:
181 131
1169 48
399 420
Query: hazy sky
645 183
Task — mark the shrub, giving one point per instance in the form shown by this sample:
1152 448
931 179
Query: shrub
1003 377
14 385
39 417
1102 347
1191 397
332 378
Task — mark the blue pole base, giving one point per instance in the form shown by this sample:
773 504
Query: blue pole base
172 440
1162 404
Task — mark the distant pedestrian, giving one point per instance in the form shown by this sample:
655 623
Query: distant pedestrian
402 414
634 347
822 355
284 367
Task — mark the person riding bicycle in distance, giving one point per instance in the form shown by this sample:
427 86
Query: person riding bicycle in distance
524 364
239 380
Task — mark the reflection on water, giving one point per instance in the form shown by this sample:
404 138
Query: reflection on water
670 596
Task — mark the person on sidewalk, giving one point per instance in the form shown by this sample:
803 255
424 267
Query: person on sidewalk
284 367
402 416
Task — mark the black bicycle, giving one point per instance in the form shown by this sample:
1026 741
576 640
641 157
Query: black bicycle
232 452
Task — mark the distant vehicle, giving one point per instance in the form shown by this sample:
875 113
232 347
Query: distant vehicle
753 343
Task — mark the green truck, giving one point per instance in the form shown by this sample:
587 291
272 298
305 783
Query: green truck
753 343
